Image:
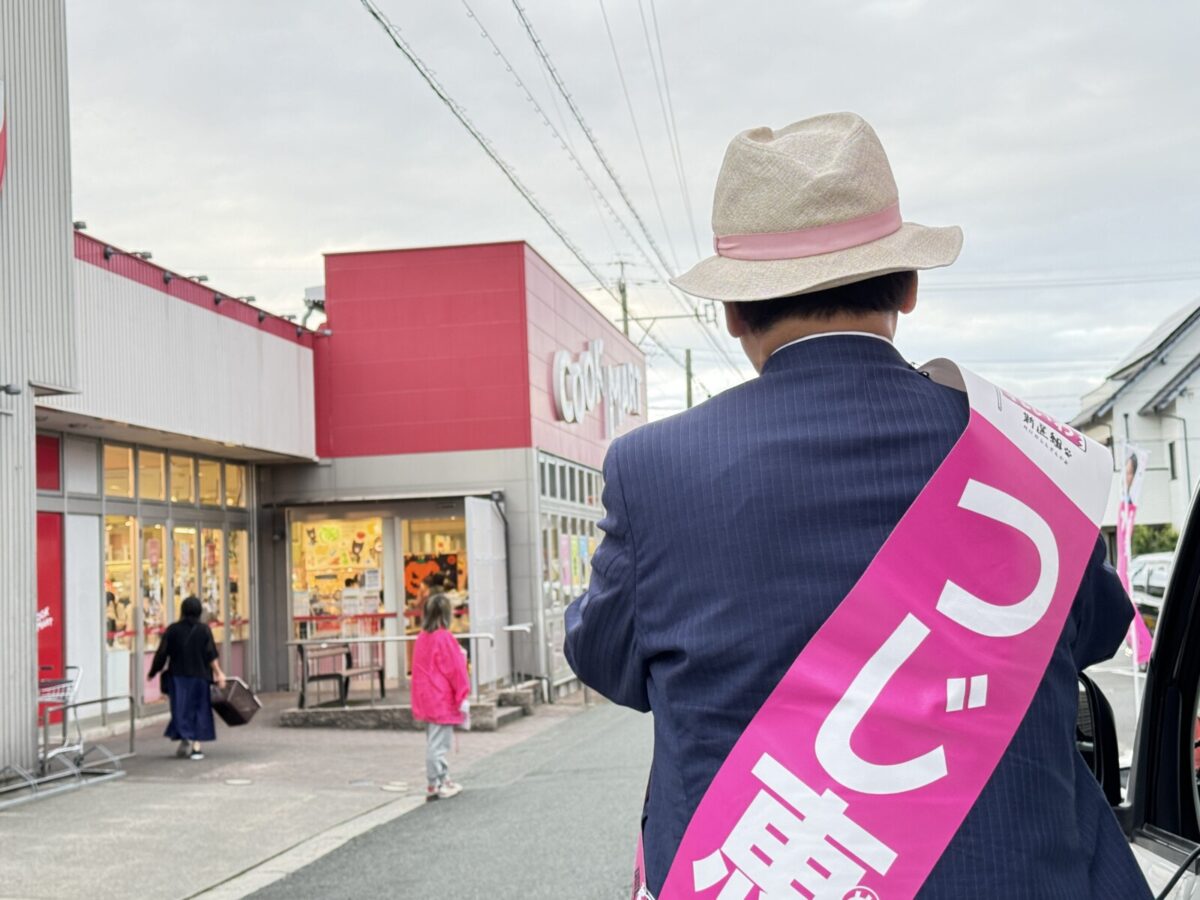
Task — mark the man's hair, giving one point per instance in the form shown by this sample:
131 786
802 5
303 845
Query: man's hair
883 293
191 608
437 612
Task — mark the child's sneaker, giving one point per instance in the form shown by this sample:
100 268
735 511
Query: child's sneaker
448 789
432 793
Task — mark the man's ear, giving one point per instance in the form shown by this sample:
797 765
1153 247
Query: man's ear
910 298
734 322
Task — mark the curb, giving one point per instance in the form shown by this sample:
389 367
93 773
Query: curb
309 850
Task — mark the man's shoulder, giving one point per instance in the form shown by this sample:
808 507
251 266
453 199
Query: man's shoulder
699 421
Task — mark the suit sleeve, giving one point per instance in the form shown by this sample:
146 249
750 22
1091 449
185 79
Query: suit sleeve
1103 612
602 639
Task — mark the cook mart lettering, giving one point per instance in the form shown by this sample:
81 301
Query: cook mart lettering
581 383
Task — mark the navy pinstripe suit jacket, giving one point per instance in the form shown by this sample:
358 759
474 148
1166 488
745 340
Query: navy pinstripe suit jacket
731 533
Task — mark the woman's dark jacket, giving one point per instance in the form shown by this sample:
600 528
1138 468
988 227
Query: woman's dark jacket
188 644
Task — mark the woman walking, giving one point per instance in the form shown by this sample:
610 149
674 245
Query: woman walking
439 693
189 657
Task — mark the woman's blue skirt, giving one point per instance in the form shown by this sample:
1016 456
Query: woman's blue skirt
191 710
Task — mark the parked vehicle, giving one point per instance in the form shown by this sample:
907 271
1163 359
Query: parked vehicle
1160 808
1148 575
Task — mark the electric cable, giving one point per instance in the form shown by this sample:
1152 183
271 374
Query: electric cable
638 134
430 79
668 110
598 195
548 64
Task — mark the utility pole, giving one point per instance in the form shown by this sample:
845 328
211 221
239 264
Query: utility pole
687 359
621 288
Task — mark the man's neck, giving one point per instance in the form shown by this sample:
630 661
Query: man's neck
759 347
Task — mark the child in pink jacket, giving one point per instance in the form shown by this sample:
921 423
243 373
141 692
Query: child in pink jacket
439 692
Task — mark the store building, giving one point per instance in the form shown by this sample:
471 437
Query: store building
159 438
464 402
452 416
145 477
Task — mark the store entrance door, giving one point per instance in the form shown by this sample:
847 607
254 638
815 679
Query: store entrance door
154 609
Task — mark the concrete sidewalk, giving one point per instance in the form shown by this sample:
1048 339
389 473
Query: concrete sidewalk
265 801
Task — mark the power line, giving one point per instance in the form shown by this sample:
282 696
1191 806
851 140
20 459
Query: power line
403 46
638 134
427 74
664 91
597 194
548 64
544 56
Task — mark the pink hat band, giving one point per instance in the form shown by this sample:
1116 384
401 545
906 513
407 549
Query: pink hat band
810 241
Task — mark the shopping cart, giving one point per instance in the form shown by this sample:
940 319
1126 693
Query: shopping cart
56 695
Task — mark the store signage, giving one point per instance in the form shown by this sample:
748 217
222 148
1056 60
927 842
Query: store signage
582 382
3 135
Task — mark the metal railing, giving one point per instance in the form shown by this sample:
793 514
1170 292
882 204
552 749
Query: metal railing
74 768
370 643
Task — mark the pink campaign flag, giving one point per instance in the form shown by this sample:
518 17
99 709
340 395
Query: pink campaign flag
1133 473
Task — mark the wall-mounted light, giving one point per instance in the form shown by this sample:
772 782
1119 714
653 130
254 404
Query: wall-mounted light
167 276
201 278
299 330
262 314
11 390
217 298
109 253
79 225
142 254
249 299
325 332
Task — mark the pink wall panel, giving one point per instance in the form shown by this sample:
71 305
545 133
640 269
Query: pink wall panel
560 319
428 352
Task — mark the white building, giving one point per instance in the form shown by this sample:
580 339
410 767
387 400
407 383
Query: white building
1150 399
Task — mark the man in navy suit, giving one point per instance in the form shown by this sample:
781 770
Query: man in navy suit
732 531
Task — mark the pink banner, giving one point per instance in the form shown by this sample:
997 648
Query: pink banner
862 763
1133 470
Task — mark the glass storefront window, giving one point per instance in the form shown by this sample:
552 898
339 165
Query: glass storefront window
235 485
239 602
210 482
183 554
152 475
119 583
239 584
183 479
212 580
337 577
118 471
154 585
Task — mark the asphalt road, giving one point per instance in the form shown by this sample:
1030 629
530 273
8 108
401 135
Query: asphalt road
553 817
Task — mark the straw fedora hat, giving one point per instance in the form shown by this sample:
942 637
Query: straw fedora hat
811 206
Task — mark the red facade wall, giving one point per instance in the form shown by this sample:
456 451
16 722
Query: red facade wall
427 353
561 319
451 348
50 630
49 472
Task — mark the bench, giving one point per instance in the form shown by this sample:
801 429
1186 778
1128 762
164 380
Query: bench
312 654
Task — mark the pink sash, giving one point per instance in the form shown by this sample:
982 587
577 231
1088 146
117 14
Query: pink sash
860 766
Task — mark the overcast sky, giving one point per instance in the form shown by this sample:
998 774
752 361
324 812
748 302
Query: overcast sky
244 139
